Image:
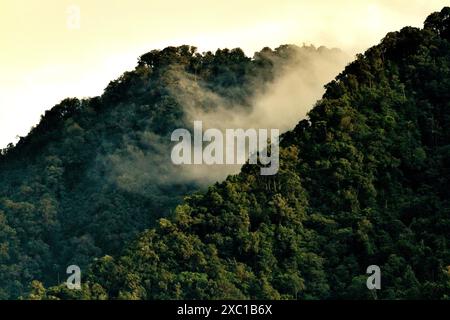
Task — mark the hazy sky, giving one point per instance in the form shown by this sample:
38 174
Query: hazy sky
46 55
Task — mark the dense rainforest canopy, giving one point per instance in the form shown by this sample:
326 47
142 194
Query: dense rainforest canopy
95 173
362 181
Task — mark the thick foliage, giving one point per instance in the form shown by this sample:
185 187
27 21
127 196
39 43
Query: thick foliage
364 181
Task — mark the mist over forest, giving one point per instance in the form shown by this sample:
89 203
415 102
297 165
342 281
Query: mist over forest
364 169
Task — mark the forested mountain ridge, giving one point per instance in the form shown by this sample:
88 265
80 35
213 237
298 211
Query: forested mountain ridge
94 173
364 180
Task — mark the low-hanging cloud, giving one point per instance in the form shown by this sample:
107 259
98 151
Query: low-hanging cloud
280 104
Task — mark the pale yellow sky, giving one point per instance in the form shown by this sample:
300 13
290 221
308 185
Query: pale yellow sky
46 55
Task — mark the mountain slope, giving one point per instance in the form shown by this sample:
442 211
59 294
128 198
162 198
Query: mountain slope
363 181
96 172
